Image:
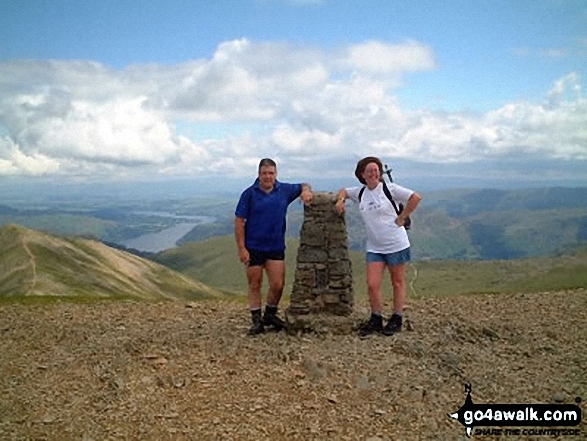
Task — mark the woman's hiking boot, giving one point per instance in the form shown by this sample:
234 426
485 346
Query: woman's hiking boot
373 325
393 326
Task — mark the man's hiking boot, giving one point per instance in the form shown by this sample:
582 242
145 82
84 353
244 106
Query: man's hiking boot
373 325
257 326
270 318
393 326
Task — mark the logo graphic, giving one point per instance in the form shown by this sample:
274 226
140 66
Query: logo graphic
471 415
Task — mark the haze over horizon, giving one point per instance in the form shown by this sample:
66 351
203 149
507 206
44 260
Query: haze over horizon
450 94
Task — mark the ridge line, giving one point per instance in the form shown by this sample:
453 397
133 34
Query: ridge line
33 263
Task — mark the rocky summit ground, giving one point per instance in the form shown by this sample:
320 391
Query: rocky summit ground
175 371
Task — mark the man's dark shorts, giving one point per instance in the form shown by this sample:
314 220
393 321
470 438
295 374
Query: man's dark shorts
258 258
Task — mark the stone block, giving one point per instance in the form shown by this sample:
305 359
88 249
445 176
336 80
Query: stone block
340 268
311 254
341 283
313 235
338 253
330 298
305 277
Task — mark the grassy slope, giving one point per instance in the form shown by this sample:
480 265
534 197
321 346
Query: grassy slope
215 263
14 277
444 278
85 268
37 264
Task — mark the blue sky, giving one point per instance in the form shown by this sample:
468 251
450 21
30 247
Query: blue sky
111 90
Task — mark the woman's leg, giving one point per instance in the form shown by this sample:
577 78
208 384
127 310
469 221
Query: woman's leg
375 272
398 282
374 278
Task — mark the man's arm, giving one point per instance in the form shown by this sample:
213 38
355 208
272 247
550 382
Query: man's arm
239 233
306 195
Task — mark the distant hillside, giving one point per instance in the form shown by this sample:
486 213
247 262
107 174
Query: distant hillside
459 224
38 264
462 224
492 224
215 263
462 203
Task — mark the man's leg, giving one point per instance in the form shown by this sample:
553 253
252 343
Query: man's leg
255 280
276 275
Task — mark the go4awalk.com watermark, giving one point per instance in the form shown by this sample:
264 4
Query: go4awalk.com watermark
551 420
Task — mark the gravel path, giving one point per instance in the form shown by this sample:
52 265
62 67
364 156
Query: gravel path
174 371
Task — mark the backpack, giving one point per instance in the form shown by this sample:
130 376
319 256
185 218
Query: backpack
398 210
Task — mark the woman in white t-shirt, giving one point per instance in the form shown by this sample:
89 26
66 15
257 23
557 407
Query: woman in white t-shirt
387 241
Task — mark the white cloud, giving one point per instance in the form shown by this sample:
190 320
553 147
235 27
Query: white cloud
568 85
575 50
82 118
555 129
15 162
304 142
379 57
117 131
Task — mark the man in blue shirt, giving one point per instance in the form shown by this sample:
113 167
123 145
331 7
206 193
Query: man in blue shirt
259 228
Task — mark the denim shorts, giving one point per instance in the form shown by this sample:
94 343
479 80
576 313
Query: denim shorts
390 259
258 258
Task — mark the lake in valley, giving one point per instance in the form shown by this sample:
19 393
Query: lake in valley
167 238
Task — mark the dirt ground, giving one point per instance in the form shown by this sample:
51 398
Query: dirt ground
175 371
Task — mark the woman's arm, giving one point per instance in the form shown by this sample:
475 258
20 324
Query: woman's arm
340 198
412 204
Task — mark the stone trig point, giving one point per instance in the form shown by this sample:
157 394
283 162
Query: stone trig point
322 294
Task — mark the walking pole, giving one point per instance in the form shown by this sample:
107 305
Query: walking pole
408 223
387 171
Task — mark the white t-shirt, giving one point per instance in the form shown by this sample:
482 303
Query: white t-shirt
383 235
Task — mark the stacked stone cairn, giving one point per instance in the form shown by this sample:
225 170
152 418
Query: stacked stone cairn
322 295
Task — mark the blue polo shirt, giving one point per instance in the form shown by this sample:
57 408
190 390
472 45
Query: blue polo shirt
265 213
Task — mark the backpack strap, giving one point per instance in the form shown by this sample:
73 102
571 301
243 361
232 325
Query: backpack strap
388 194
361 193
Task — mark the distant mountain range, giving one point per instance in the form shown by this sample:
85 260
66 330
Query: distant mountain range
39 264
469 224
500 224
475 224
